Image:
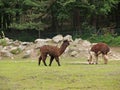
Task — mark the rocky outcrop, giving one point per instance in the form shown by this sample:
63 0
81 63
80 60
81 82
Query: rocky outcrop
77 48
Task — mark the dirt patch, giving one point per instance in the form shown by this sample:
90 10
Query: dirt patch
115 53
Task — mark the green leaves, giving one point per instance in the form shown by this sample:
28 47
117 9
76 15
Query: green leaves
30 25
31 3
103 7
36 14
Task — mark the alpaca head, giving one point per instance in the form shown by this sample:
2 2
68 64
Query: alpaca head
91 57
66 42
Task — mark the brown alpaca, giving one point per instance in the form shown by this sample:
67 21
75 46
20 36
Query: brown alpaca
96 50
53 51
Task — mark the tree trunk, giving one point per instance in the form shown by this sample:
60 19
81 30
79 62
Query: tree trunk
39 34
4 21
76 20
0 21
54 23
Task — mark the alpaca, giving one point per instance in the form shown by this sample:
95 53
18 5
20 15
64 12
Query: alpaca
96 50
53 51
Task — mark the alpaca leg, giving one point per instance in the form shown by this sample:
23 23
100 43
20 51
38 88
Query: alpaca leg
44 59
39 60
57 60
96 58
51 59
105 57
90 59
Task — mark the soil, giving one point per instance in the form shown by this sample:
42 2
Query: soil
115 53
116 49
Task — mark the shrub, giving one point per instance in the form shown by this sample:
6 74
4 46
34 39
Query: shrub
109 39
116 41
3 42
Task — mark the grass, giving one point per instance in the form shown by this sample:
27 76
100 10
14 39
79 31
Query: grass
72 75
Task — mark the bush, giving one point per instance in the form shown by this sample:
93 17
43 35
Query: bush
87 30
109 39
3 42
116 41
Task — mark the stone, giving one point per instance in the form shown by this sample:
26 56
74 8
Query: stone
21 47
27 53
57 38
5 53
78 41
25 43
73 53
68 37
86 43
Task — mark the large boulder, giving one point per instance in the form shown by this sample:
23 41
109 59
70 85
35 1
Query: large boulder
15 50
27 54
22 47
42 40
57 38
86 43
25 43
78 41
5 53
68 37
17 43
73 53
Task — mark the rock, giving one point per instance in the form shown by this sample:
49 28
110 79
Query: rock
8 48
78 41
68 37
21 47
86 43
8 41
73 53
57 38
73 48
1 47
43 40
25 43
5 53
77 48
27 53
16 43
15 50
38 45
40 40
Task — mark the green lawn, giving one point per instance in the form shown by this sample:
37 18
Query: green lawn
73 74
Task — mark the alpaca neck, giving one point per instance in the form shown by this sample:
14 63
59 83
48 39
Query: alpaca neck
62 48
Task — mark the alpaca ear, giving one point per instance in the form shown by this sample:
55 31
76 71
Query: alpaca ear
65 41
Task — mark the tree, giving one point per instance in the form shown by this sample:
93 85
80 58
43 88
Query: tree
56 14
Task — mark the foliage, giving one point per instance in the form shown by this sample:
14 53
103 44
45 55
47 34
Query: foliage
115 41
30 25
109 39
102 7
55 15
87 30
3 42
